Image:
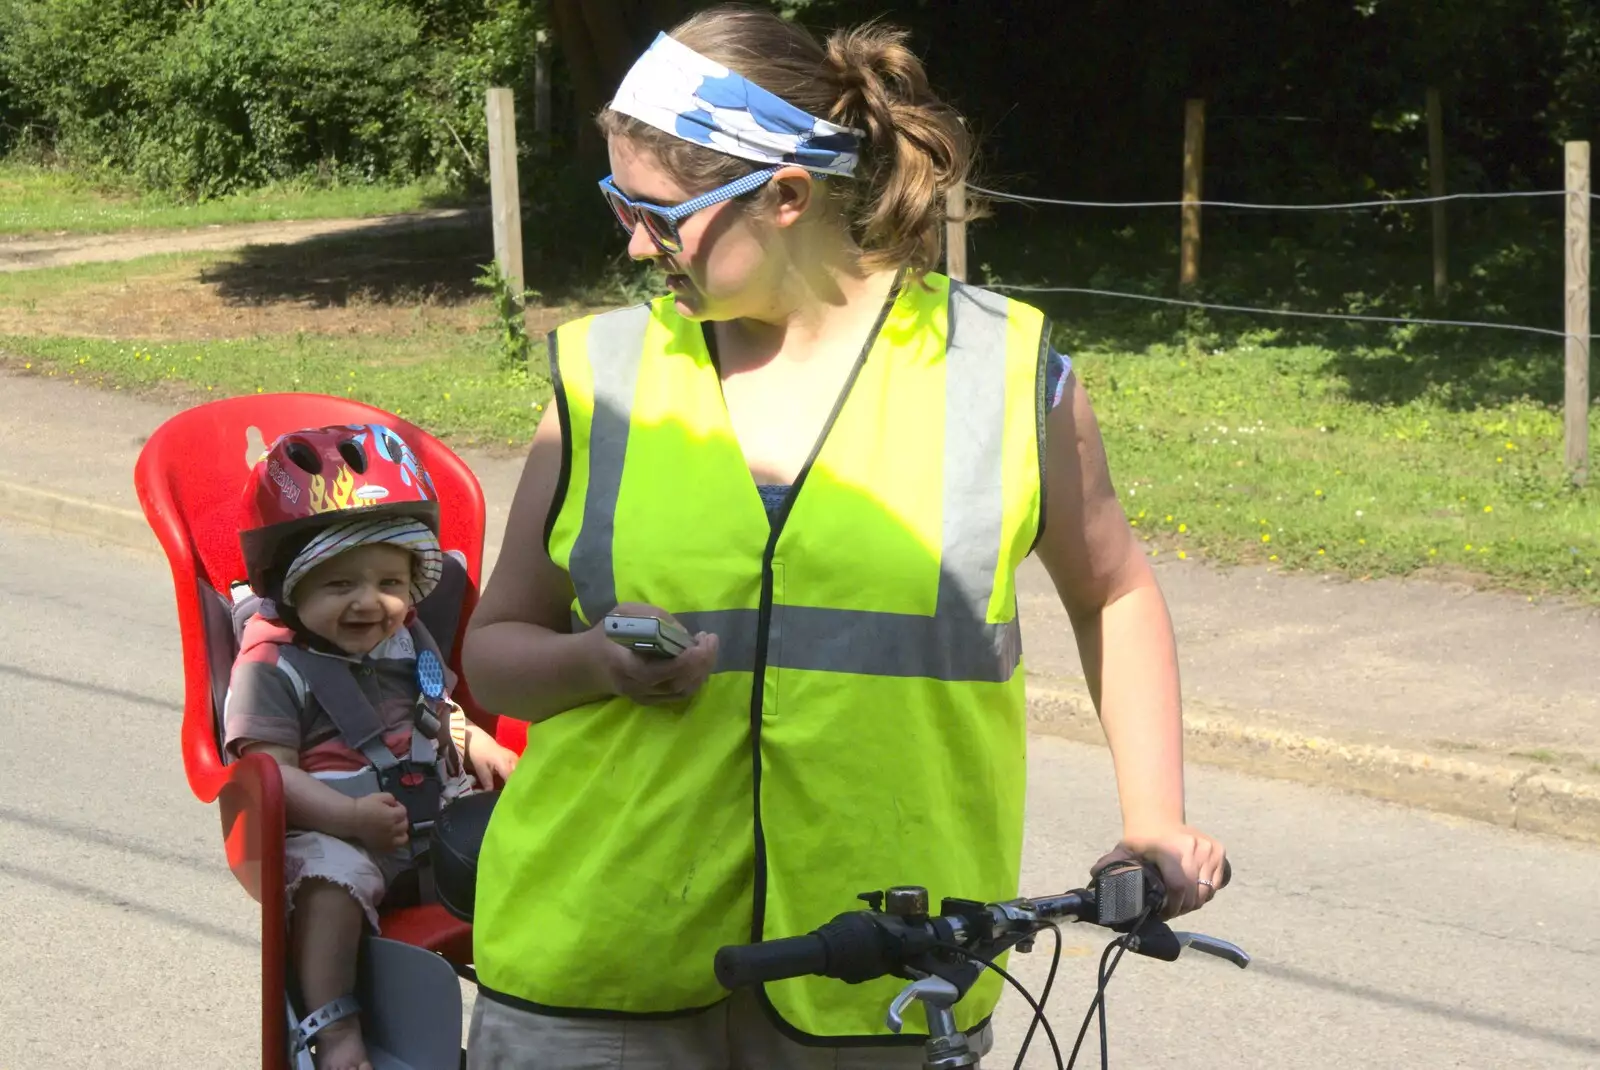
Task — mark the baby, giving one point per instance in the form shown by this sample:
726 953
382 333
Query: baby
340 683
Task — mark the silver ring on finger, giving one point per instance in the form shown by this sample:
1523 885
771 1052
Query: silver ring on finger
1208 884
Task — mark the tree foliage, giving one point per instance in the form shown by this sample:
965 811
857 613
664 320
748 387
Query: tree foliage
1305 98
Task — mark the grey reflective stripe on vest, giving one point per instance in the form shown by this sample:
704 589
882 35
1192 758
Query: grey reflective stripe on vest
956 643
974 499
735 630
620 337
952 646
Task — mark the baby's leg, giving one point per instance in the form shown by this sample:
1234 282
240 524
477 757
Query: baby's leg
335 888
325 940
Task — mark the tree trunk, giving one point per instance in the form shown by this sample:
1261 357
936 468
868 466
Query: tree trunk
600 39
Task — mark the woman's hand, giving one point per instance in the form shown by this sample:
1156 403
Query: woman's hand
1191 865
652 681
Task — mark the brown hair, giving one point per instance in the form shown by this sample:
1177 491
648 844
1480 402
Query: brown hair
866 78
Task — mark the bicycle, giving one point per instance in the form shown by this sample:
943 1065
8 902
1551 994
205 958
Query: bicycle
943 955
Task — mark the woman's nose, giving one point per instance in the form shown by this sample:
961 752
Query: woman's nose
640 245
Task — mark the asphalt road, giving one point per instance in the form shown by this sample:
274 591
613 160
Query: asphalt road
1382 937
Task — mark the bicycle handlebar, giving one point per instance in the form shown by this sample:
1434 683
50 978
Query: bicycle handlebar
856 946
772 960
862 945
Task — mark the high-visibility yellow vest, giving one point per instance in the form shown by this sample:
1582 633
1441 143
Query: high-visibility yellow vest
865 725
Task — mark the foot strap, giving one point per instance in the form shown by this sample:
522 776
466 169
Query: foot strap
318 1020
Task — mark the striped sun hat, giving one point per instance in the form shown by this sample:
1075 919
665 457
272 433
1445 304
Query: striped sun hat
413 535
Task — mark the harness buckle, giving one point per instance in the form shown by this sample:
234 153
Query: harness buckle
417 787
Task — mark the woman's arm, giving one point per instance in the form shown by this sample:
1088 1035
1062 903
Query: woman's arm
521 656
1126 644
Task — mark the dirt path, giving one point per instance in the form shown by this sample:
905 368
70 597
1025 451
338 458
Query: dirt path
23 254
387 275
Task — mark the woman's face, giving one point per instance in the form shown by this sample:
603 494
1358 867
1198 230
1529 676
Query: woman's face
731 264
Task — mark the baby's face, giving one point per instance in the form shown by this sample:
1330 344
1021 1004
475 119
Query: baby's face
358 599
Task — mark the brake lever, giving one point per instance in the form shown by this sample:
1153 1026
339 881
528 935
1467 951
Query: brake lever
936 994
1213 946
1155 939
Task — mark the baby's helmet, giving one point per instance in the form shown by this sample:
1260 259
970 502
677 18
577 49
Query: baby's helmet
311 478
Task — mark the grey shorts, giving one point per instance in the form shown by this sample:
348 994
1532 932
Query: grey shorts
317 855
367 877
734 1035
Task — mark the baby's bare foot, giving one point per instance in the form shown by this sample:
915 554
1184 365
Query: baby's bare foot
339 1047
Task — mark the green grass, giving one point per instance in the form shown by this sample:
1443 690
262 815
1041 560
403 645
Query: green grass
20 287
450 383
1261 453
1356 449
38 200
1257 453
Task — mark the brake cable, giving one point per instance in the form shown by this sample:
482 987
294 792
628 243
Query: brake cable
1098 1004
1039 1017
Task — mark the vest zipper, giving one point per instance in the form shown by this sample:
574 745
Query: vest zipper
764 623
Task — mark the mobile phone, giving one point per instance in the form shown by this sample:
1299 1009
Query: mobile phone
649 636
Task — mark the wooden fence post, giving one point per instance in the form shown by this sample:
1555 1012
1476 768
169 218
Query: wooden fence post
1577 399
955 232
1194 150
541 95
505 199
1436 188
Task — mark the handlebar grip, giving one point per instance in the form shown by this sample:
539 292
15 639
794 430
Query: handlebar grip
1126 890
772 960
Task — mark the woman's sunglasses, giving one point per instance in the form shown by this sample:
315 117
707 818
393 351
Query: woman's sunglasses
661 221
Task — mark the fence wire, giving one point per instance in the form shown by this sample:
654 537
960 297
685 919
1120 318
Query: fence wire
1341 206
1391 202
1403 320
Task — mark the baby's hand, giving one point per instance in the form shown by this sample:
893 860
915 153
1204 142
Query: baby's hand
490 760
381 823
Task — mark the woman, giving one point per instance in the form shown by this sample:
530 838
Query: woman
825 462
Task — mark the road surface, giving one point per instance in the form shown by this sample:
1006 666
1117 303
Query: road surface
1382 937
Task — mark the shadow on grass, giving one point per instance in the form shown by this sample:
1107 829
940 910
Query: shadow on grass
573 253
390 262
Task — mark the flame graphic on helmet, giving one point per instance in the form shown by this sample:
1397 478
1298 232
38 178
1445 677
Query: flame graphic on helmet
342 495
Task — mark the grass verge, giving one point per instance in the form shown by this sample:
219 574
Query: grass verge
1256 454
453 384
1260 453
23 287
1347 448
41 200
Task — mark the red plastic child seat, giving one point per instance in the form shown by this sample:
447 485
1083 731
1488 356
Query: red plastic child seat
190 477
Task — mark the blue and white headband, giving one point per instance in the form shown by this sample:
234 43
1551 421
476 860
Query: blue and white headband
680 92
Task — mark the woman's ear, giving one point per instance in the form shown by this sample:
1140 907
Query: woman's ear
796 189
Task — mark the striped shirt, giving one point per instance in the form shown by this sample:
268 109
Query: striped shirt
268 702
